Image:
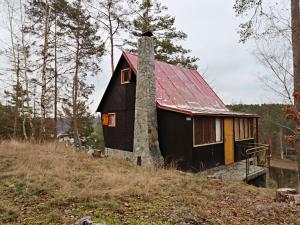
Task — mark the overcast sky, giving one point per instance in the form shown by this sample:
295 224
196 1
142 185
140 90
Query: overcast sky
230 67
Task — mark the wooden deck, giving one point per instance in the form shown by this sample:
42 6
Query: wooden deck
235 172
284 164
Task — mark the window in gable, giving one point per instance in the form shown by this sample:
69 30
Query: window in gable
105 119
109 119
125 76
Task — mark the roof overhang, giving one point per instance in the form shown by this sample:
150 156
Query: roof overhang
207 112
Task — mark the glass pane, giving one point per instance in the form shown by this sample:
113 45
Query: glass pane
218 130
251 127
206 131
242 133
246 122
236 129
125 76
112 120
213 130
198 131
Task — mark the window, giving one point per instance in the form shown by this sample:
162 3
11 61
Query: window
236 129
243 128
109 119
242 131
125 76
207 131
105 119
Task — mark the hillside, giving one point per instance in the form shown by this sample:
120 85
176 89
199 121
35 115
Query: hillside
51 184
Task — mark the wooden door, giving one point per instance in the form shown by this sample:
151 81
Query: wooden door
228 141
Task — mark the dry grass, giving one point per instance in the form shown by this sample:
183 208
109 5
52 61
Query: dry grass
53 184
72 173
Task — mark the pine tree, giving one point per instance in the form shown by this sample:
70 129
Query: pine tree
151 16
88 50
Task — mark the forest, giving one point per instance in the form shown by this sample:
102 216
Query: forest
53 48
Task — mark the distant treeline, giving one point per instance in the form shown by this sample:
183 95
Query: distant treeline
272 123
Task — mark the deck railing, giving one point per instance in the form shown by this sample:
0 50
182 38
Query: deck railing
257 156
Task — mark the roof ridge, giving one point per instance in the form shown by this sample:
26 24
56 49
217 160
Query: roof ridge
157 60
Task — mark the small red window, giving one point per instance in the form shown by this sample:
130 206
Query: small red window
109 119
105 119
125 76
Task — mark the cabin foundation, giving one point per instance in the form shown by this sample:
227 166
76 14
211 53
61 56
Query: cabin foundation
119 154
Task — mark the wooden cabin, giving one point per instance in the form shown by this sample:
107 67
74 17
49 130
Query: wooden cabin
195 129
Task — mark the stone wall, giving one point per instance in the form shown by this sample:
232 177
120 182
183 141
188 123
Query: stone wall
146 150
119 154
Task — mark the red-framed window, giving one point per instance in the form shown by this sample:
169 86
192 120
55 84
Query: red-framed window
109 119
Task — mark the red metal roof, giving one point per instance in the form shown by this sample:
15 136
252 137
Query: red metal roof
183 90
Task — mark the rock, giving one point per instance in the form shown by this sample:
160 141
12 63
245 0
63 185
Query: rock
186 217
91 152
288 195
84 221
97 153
87 221
214 177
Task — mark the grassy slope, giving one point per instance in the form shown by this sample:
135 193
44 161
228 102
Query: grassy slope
51 184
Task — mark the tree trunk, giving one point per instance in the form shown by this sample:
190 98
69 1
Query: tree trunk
75 98
55 78
111 37
295 14
44 78
112 51
10 17
17 96
25 74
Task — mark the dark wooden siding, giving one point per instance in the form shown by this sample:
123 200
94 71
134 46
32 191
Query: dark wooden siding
240 149
175 141
205 157
120 99
175 133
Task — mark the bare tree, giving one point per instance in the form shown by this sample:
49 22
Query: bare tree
16 65
257 27
112 16
278 61
44 71
25 71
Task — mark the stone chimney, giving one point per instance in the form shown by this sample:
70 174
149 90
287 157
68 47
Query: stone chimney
146 150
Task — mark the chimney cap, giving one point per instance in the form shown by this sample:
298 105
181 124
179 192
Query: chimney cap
147 34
